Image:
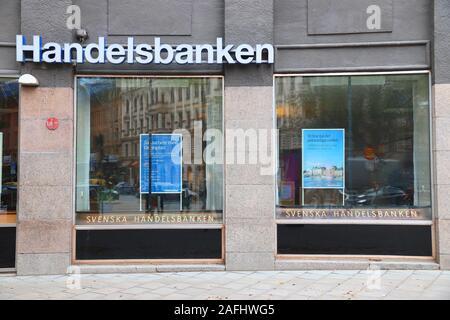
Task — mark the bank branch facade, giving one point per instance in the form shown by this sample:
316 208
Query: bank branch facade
224 135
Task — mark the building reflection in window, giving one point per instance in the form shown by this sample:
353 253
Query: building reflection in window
387 138
108 167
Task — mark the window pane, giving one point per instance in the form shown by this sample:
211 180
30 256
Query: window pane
386 126
108 168
9 134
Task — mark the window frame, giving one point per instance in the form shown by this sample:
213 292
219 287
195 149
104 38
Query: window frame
142 226
14 225
429 222
198 226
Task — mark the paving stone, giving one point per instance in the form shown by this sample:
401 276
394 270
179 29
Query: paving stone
175 296
445 273
375 292
436 287
414 285
298 297
314 275
266 297
164 291
443 281
134 290
292 285
147 296
89 296
61 296
402 295
153 285
119 296
253 292
30 296
331 297
238 297
263 286
429 276
236 285
106 290
435 296
343 293
345 272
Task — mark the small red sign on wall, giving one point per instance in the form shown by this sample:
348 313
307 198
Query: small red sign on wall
52 123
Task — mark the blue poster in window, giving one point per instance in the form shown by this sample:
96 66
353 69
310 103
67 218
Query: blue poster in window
323 155
164 161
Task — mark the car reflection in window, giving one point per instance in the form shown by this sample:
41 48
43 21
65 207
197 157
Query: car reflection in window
387 195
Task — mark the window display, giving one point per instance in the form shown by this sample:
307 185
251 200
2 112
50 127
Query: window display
9 134
143 150
354 147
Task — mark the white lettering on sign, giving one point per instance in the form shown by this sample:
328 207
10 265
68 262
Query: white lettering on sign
73 21
159 53
374 20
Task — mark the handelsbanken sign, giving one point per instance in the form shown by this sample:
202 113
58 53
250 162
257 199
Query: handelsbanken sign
143 53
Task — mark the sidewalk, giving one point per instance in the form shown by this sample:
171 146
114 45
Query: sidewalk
302 285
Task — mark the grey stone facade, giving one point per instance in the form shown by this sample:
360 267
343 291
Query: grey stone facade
308 37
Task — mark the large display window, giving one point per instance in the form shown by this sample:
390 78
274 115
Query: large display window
356 142
149 174
147 150
9 134
353 149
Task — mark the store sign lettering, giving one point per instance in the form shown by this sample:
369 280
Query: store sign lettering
158 53
378 214
133 219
